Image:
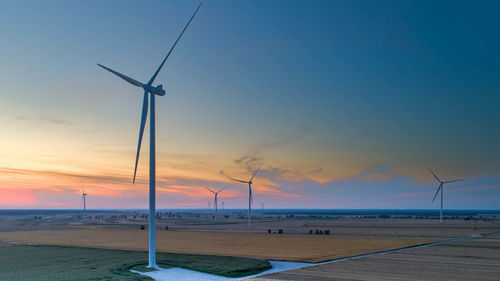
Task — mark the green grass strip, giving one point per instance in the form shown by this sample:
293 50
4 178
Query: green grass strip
28 262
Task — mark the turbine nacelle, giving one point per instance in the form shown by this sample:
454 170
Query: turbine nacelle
158 90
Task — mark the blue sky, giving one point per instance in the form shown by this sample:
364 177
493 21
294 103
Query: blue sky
323 92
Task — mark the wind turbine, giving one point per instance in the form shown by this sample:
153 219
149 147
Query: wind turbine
84 195
152 91
440 188
250 198
209 205
262 204
215 200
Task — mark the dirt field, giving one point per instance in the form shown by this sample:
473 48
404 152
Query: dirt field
198 234
305 248
402 228
471 259
261 224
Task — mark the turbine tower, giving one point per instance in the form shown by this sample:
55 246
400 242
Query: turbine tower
152 91
84 195
440 188
250 198
215 200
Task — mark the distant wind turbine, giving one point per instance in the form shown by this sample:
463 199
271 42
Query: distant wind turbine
250 197
440 188
215 200
153 91
262 204
84 195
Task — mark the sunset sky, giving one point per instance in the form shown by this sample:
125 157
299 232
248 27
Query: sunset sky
346 103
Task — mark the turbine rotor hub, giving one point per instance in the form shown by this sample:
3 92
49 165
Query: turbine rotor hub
155 90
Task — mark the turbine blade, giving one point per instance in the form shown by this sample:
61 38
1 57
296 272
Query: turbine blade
144 117
238 180
434 175
255 172
220 190
437 191
210 189
124 77
450 181
173 46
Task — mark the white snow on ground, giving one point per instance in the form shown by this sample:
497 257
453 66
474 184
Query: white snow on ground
176 274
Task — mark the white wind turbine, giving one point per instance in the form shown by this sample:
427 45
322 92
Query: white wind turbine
215 200
440 188
250 197
262 205
152 91
84 195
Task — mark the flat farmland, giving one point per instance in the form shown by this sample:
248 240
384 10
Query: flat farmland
470 259
401 228
287 247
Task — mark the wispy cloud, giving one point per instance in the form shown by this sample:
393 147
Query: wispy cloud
56 121
381 172
224 174
21 117
44 118
253 158
59 174
314 171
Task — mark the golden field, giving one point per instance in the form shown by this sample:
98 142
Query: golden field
287 247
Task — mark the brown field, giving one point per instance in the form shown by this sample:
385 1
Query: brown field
261 224
198 234
288 247
471 259
401 228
